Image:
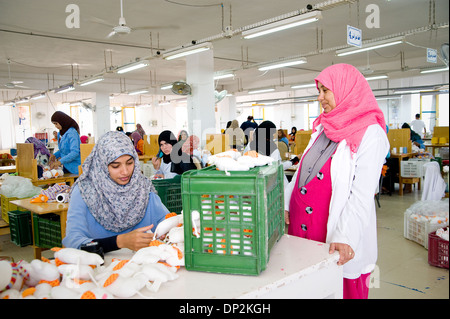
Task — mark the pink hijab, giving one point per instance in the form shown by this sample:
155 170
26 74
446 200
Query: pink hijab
356 106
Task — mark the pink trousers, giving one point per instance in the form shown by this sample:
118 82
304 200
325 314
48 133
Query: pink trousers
357 288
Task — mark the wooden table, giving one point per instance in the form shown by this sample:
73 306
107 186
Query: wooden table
297 268
7 169
41 209
67 178
435 146
404 180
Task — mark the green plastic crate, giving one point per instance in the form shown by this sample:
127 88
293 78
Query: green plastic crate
241 218
20 227
47 230
169 190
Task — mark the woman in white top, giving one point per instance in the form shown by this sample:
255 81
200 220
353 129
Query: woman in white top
331 196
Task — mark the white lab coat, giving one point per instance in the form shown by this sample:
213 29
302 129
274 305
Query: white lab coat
354 180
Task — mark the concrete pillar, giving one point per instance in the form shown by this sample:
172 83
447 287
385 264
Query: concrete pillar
201 103
101 115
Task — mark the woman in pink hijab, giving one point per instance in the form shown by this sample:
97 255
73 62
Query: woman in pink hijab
331 196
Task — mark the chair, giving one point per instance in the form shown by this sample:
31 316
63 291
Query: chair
284 150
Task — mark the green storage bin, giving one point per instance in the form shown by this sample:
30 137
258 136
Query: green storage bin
20 227
169 190
241 218
47 230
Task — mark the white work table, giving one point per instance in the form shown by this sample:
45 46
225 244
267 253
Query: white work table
297 268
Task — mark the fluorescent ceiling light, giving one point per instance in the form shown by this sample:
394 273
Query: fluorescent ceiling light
370 46
65 88
37 96
132 66
140 91
219 75
303 86
434 70
91 81
282 64
282 24
166 86
261 90
24 100
376 77
188 51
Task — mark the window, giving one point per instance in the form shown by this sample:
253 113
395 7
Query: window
442 110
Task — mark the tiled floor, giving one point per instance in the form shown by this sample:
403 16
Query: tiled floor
403 271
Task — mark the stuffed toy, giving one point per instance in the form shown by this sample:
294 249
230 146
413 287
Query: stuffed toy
51 194
52 173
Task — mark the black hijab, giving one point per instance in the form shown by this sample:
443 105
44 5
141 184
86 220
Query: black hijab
263 138
168 137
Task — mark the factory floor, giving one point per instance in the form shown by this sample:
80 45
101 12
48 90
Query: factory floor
402 269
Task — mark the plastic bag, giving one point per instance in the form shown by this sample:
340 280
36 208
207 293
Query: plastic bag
18 186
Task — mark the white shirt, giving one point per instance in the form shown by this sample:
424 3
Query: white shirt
418 126
354 180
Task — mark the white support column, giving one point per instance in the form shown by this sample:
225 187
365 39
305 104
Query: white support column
101 115
201 103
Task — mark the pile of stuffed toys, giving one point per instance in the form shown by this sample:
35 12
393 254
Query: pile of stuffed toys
78 274
232 160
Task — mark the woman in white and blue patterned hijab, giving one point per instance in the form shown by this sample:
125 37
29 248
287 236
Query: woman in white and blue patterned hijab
112 196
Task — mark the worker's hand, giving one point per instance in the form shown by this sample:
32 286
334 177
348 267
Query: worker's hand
286 217
156 162
52 158
346 252
55 164
136 239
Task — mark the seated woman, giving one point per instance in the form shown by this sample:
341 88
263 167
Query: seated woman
112 203
415 138
170 160
282 137
138 142
263 144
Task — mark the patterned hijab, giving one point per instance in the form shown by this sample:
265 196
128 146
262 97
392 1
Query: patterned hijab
116 207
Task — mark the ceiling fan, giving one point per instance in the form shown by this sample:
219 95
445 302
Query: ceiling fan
13 84
122 28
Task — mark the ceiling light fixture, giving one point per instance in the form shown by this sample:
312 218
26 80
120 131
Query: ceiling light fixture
376 77
91 80
188 51
370 46
23 100
140 91
304 86
282 64
282 24
65 88
37 96
441 69
223 75
255 91
132 66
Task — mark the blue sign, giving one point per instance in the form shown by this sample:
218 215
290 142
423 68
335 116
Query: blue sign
354 36
431 55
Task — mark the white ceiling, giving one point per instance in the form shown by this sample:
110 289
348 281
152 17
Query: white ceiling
44 53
